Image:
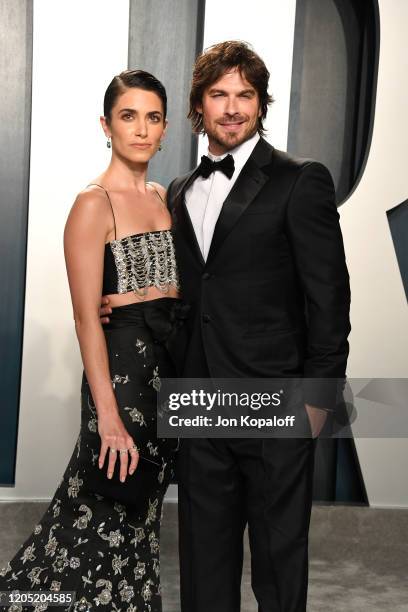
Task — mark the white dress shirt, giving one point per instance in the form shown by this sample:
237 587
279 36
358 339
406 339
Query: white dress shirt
205 197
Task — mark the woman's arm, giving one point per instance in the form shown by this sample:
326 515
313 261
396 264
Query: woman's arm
84 239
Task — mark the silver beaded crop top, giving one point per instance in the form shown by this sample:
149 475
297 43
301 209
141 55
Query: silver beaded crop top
137 262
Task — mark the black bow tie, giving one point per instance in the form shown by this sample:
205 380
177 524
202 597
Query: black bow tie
208 166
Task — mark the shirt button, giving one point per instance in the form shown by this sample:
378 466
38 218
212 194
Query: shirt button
206 276
206 318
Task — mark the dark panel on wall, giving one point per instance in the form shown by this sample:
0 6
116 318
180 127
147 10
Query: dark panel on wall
335 61
398 222
334 76
350 486
164 39
15 118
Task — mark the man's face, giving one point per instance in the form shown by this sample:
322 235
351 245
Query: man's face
230 109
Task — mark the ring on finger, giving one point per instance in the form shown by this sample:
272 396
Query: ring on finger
123 451
133 449
112 450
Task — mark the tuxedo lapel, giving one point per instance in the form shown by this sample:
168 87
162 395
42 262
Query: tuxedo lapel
181 218
248 184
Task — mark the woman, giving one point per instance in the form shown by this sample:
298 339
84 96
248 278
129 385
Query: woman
100 534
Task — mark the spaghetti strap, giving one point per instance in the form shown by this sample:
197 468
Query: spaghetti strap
154 188
113 214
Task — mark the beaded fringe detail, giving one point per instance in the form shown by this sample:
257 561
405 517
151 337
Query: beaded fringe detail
146 260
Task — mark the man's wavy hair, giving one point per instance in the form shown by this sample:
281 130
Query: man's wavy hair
214 62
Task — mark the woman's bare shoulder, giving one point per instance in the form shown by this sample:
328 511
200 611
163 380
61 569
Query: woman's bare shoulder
159 188
91 209
91 195
91 200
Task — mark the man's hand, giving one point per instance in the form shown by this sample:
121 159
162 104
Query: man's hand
317 419
104 310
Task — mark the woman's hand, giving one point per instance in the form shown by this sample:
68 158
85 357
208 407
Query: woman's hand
115 438
104 310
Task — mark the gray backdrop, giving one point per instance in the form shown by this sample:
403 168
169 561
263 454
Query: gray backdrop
15 117
165 40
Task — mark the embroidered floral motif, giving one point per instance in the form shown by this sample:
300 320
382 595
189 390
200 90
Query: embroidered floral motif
83 605
136 416
105 596
82 521
34 575
61 561
56 508
94 457
74 562
118 563
139 570
114 538
5 570
123 380
160 476
154 543
55 586
141 347
152 511
121 510
52 543
153 450
126 591
28 554
139 535
80 541
75 484
155 381
147 590
156 566
87 579
51 547
93 425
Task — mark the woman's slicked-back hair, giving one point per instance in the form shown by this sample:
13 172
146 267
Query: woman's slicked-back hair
214 62
128 79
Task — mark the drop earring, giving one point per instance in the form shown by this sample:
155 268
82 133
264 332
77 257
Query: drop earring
108 143
160 147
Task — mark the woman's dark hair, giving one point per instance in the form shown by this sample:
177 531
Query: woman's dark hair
214 62
132 78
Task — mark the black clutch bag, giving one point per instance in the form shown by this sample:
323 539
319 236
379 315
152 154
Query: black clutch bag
138 488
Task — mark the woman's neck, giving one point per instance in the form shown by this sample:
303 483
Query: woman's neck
122 176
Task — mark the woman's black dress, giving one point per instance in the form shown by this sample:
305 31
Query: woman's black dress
100 537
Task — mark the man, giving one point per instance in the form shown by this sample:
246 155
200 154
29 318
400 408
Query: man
262 265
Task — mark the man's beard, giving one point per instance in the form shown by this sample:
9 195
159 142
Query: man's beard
230 140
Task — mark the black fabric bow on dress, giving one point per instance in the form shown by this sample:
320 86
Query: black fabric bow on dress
169 330
164 324
207 166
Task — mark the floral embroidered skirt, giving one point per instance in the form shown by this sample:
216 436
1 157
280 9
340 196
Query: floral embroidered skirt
100 537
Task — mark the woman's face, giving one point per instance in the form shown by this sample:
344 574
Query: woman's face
137 125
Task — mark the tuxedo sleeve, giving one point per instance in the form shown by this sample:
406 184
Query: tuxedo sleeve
317 246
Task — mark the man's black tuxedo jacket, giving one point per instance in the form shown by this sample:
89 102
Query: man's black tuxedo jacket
272 299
